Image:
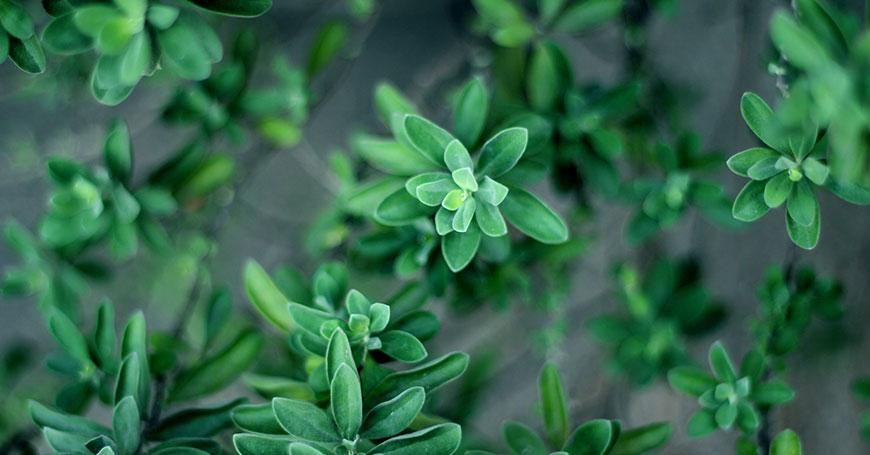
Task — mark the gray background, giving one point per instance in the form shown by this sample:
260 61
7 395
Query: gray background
714 47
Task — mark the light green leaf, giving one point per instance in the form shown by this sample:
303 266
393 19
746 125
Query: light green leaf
740 163
428 138
532 217
440 439
305 420
802 203
642 439
338 353
522 440
763 122
392 417
555 409
469 116
459 248
126 425
786 443
401 208
402 346
346 401
591 438
266 297
502 152
489 219
430 376
749 204
588 14
777 189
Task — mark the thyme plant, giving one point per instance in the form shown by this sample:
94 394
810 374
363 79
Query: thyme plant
488 193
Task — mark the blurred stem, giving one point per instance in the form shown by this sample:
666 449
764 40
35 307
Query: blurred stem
764 430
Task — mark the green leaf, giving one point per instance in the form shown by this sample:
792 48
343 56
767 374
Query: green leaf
125 425
428 138
305 420
278 386
394 416
392 106
815 170
459 248
15 20
430 376
43 417
390 156
433 193
491 191
128 378
532 217
135 59
702 423
786 443
368 195
27 55
591 438
258 418
266 297
553 400
763 122
726 414
338 353
250 444
522 440
4 45
62 441
456 157
298 448
740 163
196 422
216 372
502 152
777 189
770 393
440 439
799 46
747 418
749 204
642 439
162 16
464 215
402 346
346 401
61 36
764 169
309 319
469 117
489 219
547 77
401 208
849 191
328 45
806 237
802 203
240 8
117 151
721 364
588 14
69 338
189 47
